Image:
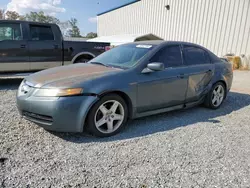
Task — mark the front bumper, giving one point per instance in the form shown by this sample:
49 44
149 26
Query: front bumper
60 114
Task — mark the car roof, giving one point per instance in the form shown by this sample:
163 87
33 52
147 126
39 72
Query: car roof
159 42
162 42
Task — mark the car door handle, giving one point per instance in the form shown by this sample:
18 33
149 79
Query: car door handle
22 46
70 49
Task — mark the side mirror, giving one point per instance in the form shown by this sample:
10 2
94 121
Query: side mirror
152 67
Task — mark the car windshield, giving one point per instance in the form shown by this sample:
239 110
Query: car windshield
125 56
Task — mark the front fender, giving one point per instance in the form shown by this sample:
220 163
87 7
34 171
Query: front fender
84 110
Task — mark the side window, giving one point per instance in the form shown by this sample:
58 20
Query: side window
207 57
170 56
195 56
41 33
10 32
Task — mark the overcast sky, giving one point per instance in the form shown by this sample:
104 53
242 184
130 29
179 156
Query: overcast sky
84 10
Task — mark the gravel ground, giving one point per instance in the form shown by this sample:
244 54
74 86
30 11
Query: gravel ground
193 148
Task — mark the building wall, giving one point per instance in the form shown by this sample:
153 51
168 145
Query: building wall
219 25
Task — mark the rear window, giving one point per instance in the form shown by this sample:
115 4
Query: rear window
195 56
41 33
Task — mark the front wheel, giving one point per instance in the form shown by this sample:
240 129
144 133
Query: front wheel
216 96
107 116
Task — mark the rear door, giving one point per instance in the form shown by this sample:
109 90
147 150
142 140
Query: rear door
45 46
200 72
13 48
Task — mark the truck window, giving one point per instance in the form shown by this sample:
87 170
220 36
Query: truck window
41 33
10 32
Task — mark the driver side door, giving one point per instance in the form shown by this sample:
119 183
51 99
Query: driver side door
14 54
162 89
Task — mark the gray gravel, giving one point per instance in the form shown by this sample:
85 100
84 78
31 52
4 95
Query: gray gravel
193 148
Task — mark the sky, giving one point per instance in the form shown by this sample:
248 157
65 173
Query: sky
84 11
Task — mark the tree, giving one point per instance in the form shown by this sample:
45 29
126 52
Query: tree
68 28
12 15
41 17
2 14
65 28
91 35
74 31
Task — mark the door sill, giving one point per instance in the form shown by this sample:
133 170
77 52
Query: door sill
195 103
163 110
159 111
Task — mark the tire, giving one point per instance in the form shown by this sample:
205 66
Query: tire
82 60
216 96
103 121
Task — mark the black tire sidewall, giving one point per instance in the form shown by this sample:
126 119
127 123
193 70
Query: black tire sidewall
91 116
82 60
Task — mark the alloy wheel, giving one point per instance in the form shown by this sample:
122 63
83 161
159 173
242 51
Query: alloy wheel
218 95
109 116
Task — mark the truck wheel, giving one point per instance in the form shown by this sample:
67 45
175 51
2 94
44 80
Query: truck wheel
82 60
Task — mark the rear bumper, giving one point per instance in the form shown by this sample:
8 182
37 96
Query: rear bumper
65 114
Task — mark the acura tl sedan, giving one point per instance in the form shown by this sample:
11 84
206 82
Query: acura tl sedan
127 82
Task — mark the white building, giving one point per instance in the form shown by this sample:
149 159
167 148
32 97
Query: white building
220 25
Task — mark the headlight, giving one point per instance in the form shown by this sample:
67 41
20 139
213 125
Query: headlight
58 92
19 93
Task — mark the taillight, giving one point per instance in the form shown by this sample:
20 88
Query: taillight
107 48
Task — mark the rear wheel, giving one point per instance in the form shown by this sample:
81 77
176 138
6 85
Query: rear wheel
107 116
82 60
216 96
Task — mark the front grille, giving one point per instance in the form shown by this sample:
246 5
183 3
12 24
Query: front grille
38 117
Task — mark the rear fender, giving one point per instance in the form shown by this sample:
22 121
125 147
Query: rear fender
81 54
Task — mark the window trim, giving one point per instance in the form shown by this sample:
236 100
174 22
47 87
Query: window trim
20 27
38 25
208 56
205 52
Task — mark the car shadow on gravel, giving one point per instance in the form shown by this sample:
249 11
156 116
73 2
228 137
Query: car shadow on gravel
167 121
10 84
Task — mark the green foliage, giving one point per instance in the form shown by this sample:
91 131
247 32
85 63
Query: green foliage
91 35
69 28
2 14
74 31
41 17
12 15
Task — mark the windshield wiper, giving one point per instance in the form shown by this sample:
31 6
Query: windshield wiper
99 63
108 65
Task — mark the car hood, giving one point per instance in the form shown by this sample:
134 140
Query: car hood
68 76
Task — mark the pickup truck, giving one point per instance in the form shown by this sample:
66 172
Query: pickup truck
31 46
